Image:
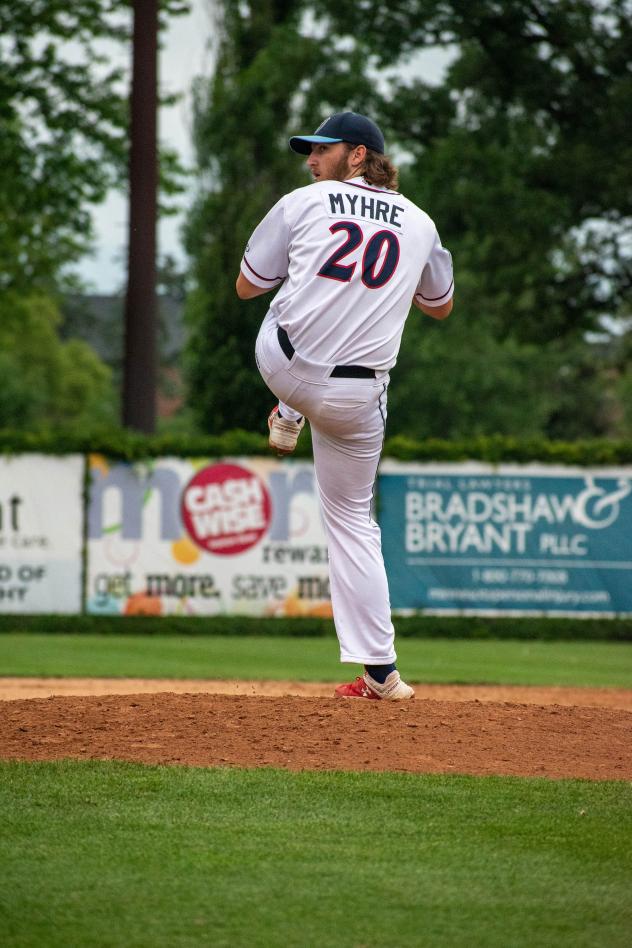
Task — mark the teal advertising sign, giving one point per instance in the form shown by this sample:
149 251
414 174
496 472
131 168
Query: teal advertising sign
480 539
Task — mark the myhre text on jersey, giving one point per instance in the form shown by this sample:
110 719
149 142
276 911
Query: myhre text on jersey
359 205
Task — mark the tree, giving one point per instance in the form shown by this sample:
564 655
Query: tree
522 154
62 132
63 144
47 382
63 129
521 149
141 349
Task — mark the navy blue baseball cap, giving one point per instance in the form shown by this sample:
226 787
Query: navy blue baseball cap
342 127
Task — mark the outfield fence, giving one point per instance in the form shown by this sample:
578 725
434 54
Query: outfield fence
92 535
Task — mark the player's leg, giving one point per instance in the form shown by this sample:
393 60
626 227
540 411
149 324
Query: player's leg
347 419
284 423
290 413
345 460
347 441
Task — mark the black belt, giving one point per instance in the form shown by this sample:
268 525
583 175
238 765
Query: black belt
338 371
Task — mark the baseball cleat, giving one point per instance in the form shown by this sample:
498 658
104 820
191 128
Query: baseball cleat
356 689
283 432
393 689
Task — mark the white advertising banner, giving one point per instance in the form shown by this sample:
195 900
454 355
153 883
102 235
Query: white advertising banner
41 533
205 537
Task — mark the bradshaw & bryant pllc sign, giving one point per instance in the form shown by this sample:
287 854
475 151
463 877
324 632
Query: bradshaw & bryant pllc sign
482 539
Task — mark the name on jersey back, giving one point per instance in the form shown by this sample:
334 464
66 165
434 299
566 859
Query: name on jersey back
364 206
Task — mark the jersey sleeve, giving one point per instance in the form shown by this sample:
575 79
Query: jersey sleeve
436 285
265 260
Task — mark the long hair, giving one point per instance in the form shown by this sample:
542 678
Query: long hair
380 171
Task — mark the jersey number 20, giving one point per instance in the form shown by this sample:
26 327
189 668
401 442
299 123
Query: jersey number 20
383 247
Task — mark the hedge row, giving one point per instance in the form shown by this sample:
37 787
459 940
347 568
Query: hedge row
452 627
495 449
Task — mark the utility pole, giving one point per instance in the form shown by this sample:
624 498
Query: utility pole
140 357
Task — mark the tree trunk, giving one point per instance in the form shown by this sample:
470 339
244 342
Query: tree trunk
140 360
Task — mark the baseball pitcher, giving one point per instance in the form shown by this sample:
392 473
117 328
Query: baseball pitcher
349 255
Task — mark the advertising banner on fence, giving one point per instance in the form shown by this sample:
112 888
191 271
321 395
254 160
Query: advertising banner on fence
41 533
203 537
482 539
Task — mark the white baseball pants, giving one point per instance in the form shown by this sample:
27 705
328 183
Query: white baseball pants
347 417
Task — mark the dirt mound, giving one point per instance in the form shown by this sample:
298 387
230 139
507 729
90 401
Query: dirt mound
306 733
12 688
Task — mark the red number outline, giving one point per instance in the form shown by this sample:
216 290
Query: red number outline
331 268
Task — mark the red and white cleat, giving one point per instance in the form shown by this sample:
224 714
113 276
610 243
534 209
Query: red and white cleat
393 689
356 689
283 432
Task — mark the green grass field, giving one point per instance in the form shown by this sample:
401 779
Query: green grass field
115 854
606 664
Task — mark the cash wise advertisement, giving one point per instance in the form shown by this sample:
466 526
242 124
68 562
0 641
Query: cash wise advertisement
487 540
41 533
205 537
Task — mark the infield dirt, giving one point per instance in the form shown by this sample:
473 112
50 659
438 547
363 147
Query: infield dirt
574 734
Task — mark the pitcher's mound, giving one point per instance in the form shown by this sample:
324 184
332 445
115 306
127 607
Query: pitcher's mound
310 733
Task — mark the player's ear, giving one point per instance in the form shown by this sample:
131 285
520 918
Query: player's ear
358 155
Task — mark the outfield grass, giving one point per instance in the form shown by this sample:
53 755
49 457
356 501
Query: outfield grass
119 854
113 854
607 664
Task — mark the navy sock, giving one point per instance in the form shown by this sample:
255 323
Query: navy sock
379 673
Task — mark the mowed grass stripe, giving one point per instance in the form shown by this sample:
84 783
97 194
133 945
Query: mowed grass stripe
117 855
597 664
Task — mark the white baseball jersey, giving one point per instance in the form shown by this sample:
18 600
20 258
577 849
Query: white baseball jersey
350 257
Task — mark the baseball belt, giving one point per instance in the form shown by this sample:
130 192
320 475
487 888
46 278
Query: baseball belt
338 371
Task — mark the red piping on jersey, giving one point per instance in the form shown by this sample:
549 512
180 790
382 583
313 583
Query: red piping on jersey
268 279
365 187
431 299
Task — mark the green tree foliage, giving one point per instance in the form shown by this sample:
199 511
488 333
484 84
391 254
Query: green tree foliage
63 129
457 380
523 156
63 144
531 148
621 379
46 382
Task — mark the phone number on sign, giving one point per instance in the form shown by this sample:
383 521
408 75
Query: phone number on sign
524 575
